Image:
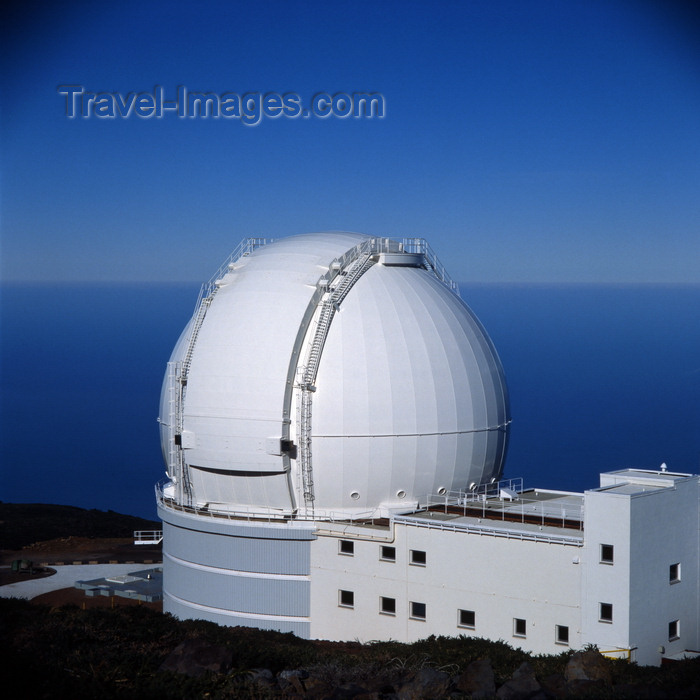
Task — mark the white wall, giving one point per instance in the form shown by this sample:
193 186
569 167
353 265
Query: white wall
664 533
499 579
607 521
650 529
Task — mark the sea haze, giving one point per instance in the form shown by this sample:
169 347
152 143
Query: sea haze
600 378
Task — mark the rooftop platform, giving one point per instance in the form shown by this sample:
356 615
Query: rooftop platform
637 481
145 585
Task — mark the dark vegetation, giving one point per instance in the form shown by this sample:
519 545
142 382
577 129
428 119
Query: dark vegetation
120 652
136 652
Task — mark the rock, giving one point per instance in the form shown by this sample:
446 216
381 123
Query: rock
523 685
427 683
555 685
478 680
262 677
195 657
582 688
293 680
588 665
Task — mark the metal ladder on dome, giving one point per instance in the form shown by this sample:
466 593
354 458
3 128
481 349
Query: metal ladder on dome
177 463
196 327
177 469
330 304
183 370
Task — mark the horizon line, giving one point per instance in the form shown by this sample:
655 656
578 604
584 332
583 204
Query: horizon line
472 283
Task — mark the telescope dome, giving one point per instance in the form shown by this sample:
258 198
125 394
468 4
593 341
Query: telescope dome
328 374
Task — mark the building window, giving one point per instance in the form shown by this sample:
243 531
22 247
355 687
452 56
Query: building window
519 627
387 553
562 634
606 613
674 631
467 618
606 554
346 547
417 611
387 606
346 599
418 557
674 573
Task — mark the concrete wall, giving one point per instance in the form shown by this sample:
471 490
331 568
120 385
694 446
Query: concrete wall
664 532
650 529
607 523
498 579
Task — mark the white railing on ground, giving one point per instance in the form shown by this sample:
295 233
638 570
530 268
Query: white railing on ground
479 493
477 529
357 519
148 536
505 500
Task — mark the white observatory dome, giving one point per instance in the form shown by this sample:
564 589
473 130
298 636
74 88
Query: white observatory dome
331 374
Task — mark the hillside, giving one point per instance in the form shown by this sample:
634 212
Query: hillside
134 652
23 524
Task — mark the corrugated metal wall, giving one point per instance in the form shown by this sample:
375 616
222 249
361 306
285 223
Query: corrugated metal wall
236 573
183 612
238 551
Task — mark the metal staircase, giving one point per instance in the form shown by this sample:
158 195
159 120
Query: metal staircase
196 327
178 372
346 278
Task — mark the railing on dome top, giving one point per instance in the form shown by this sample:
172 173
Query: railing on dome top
420 245
373 245
244 248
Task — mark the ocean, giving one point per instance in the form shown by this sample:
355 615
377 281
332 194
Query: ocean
600 378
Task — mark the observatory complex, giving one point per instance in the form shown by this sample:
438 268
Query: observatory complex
335 420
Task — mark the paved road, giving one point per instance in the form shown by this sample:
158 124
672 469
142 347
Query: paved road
65 577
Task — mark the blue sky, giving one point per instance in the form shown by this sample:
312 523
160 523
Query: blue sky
527 141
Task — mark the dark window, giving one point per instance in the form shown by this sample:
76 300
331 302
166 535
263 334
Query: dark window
674 631
387 553
674 573
467 618
346 599
606 612
418 611
418 558
519 627
606 554
387 605
346 547
562 634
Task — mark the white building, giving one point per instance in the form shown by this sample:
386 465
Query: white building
335 421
